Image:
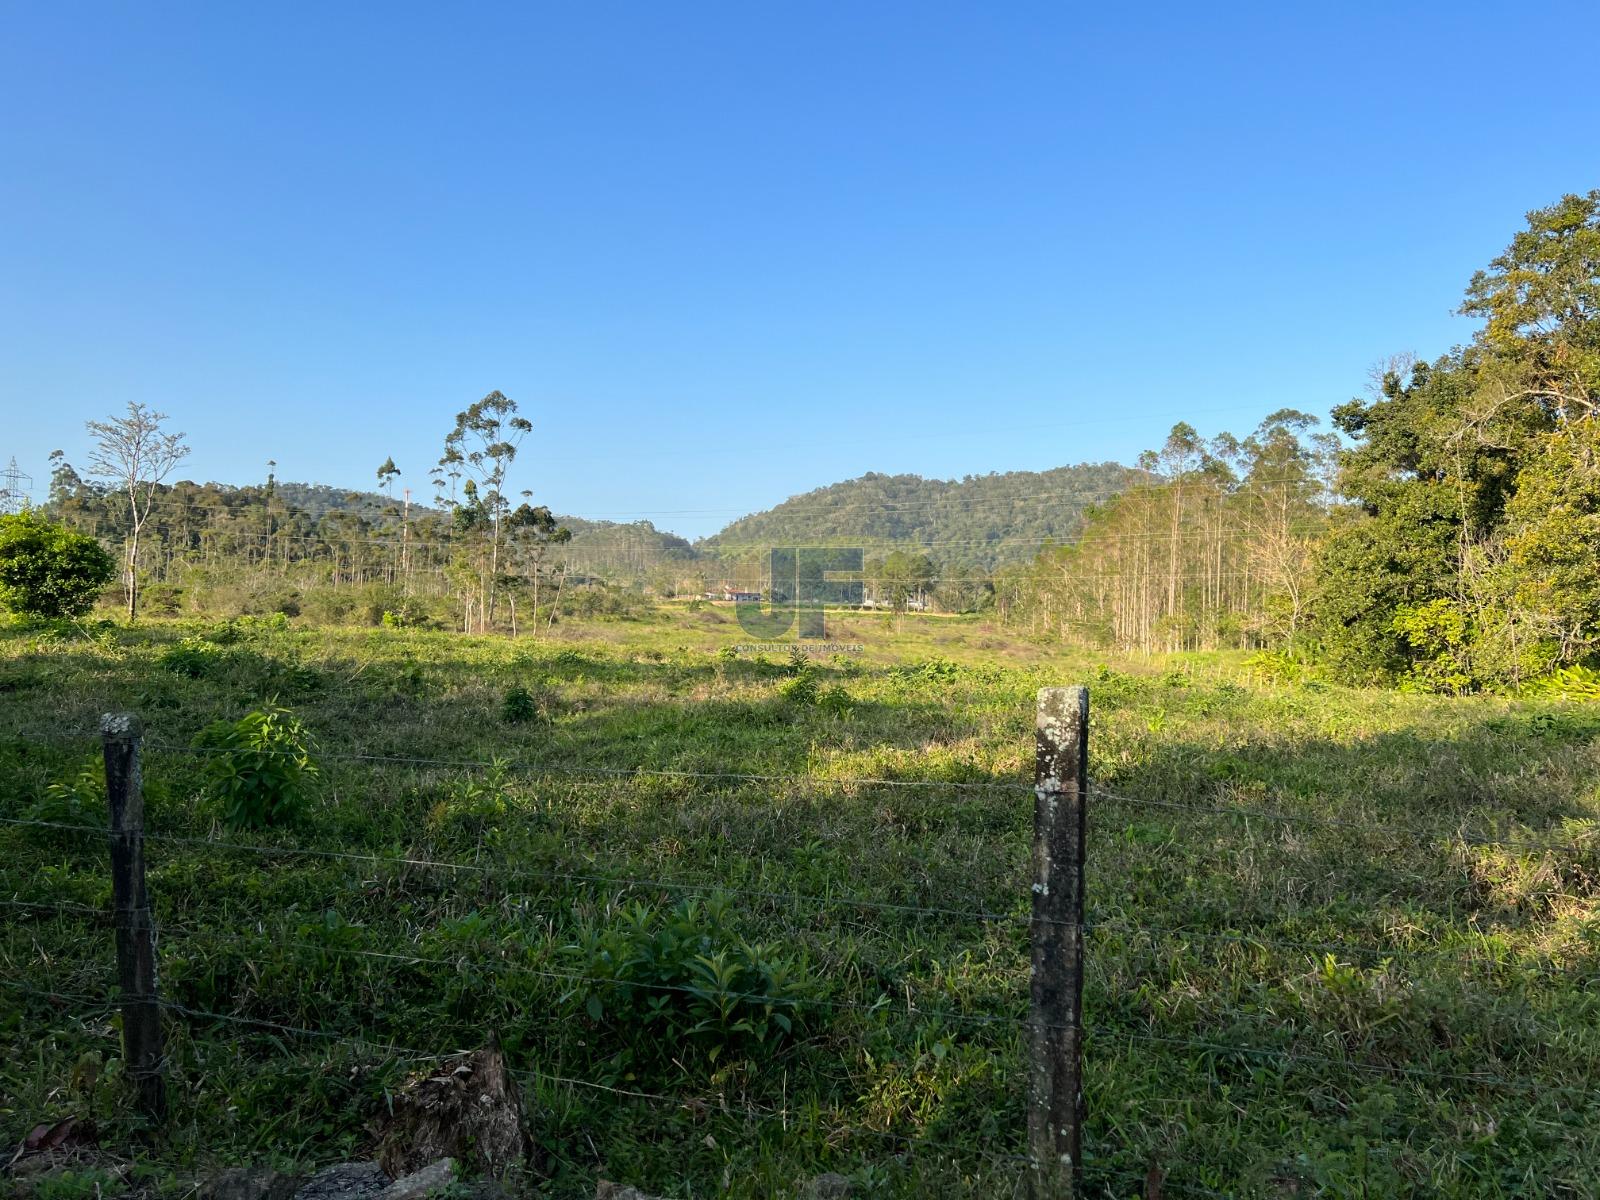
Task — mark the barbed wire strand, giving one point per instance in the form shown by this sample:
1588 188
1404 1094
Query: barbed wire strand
521 872
982 915
1477 1078
1399 831
1446 958
693 1104
808 780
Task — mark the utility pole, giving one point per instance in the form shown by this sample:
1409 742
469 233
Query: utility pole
14 495
405 543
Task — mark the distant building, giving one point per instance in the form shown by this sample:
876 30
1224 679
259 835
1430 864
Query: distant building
731 594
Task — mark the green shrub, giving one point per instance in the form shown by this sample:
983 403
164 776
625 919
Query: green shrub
522 706
1440 637
669 977
163 599
933 670
272 622
406 612
328 606
1275 666
601 600
800 689
1568 683
836 700
195 658
260 767
79 802
47 570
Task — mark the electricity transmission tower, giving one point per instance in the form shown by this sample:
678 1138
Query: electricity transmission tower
17 486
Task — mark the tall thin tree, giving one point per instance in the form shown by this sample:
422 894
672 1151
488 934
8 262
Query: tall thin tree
134 454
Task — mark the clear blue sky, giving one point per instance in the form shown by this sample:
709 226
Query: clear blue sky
725 253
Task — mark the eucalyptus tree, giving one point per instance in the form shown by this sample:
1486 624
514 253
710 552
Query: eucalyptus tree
481 448
387 473
134 454
530 533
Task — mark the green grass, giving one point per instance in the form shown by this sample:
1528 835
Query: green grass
1449 1047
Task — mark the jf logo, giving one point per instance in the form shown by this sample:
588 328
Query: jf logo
804 580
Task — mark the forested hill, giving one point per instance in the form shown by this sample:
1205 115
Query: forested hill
603 547
971 525
978 522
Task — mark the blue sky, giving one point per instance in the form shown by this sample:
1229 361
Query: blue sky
725 253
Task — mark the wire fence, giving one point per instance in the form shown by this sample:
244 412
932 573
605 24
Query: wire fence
1103 938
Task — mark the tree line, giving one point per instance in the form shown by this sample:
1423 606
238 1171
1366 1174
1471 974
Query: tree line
1444 535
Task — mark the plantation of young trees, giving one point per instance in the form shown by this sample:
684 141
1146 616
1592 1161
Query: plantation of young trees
1212 551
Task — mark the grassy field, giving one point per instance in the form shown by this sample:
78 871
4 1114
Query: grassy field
1366 1001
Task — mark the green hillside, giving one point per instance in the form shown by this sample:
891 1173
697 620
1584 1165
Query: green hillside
978 522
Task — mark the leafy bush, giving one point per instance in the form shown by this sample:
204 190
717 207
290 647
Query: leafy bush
600 600
933 670
164 599
47 570
681 975
195 658
1568 683
274 622
407 612
1110 687
1275 666
1440 638
80 802
836 700
523 705
328 606
800 689
262 769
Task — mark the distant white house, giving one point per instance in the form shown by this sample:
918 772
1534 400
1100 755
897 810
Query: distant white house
728 593
917 602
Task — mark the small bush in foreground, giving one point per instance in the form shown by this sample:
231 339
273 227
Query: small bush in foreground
836 700
681 975
800 689
522 707
261 769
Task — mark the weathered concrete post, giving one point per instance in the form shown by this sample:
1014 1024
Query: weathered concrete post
120 734
1056 1106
